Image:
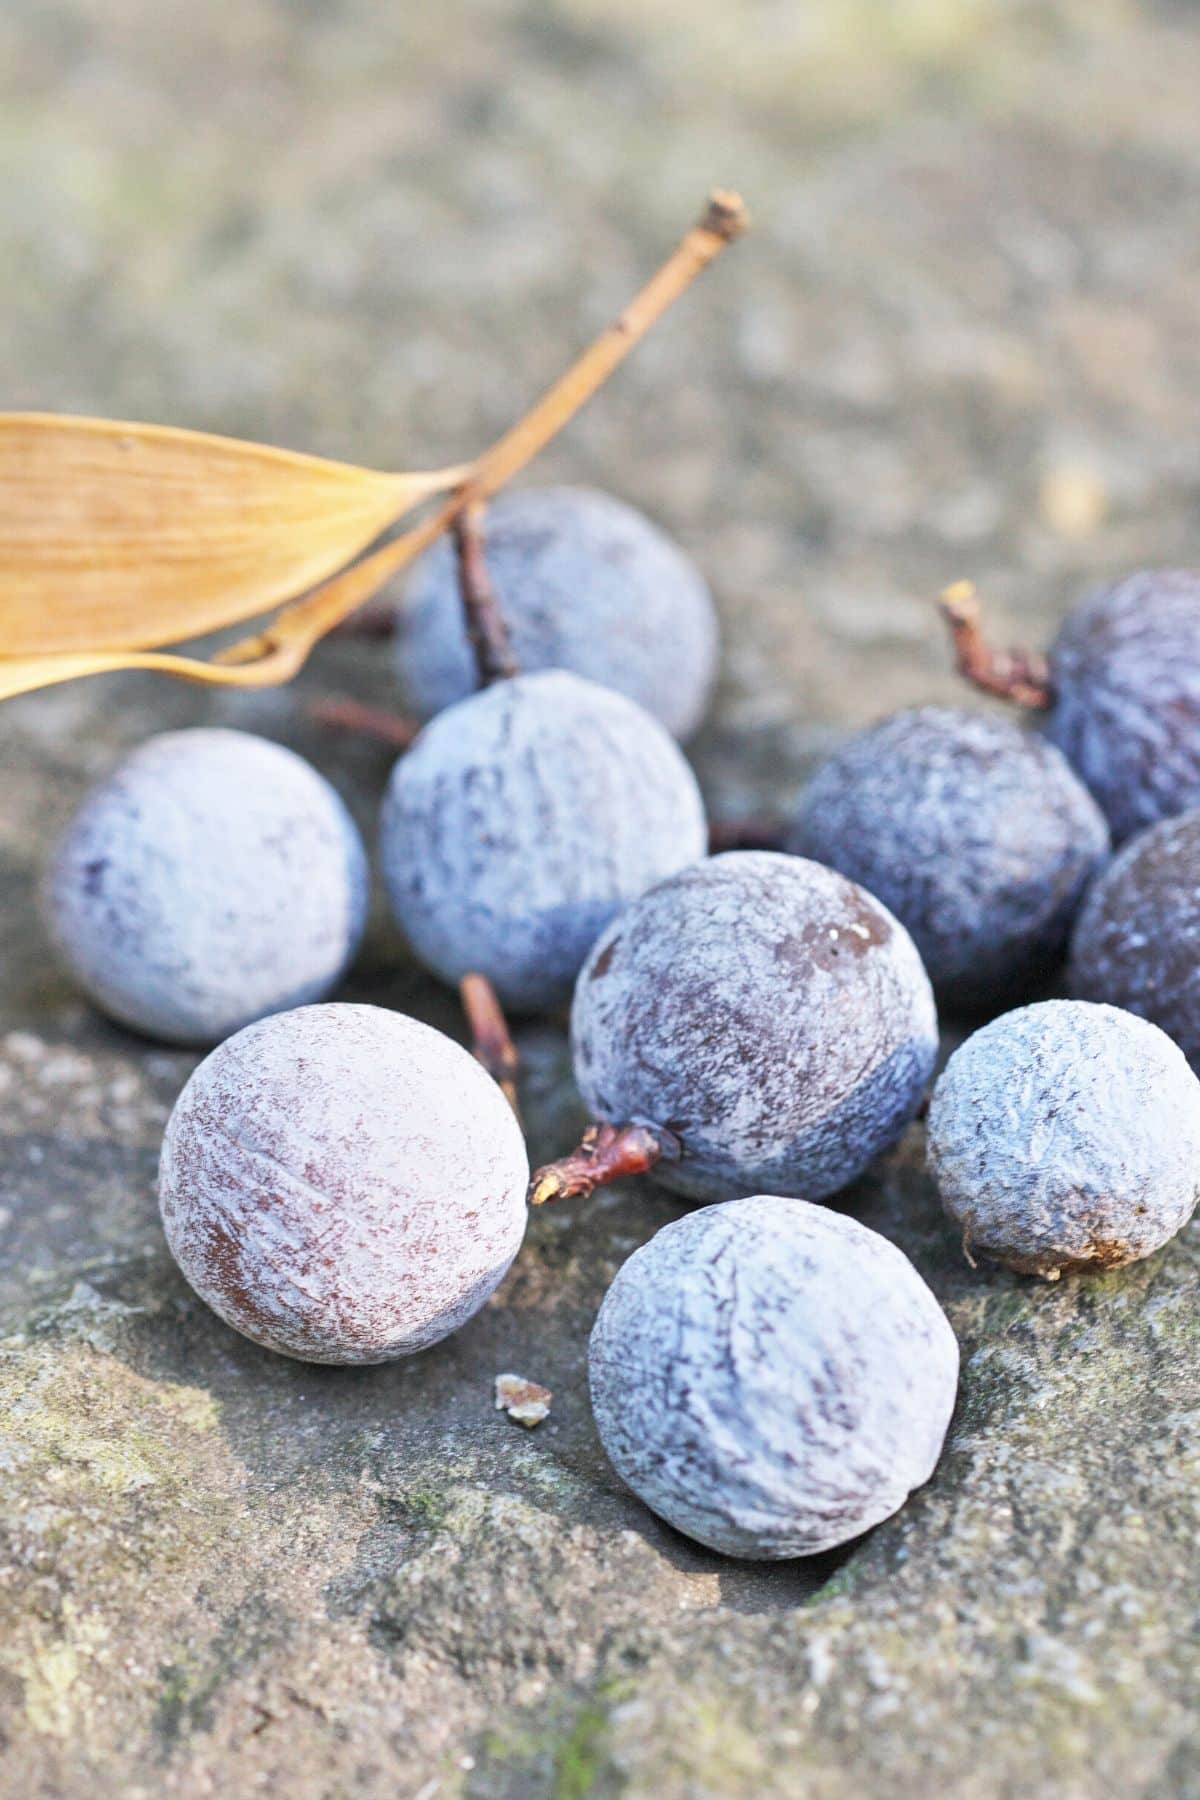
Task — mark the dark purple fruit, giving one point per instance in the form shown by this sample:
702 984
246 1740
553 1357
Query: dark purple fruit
1137 939
1125 671
973 830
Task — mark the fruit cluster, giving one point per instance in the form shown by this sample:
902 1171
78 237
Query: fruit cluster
344 1184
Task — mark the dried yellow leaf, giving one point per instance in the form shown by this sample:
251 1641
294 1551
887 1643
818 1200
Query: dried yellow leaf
118 537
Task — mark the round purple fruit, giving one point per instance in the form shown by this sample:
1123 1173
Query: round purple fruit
973 831
1137 939
771 1378
343 1184
586 583
1066 1136
767 1015
1125 672
522 820
211 879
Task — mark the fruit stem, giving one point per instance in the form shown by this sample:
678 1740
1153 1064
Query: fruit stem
292 633
723 220
373 623
346 714
606 1153
491 1041
486 628
1021 676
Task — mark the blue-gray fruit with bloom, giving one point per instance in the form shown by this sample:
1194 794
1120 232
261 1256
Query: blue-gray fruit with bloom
522 820
770 1014
1066 1136
974 831
212 878
771 1378
1125 672
586 583
1136 942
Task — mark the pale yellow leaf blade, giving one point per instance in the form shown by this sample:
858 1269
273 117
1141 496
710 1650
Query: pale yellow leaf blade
26 674
119 536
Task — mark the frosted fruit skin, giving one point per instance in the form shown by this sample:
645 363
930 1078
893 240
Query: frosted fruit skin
768 1011
212 878
771 1378
1125 668
974 831
587 584
1066 1135
522 819
1137 938
343 1184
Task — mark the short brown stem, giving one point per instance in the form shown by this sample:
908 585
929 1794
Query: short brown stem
1018 675
345 714
745 834
606 1153
373 623
481 609
287 641
491 1043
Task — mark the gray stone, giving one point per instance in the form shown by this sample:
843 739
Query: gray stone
374 231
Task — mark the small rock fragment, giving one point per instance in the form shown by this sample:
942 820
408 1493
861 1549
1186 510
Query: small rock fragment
525 1401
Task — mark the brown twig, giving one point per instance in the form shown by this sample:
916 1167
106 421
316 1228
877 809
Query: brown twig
1021 676
373 623
745 834
284 645
491 1042
482 613
606 1153
345 714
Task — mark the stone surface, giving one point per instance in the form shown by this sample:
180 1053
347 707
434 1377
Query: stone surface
962 341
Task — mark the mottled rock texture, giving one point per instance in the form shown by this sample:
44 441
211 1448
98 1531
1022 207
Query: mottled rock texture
343 1184
522 819
962 340
1126 674
769 1013
1066 1135
973 831
588 584
210 878
771 1378
1137 939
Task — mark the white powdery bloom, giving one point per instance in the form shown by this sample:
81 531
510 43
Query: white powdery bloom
212 878
343 1184
772 1378
1066 1135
